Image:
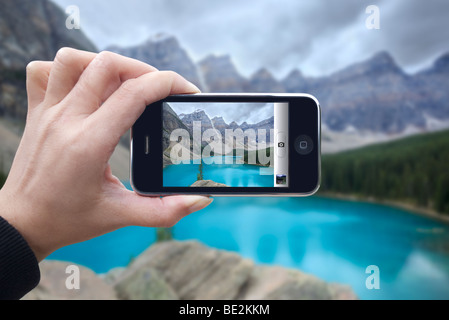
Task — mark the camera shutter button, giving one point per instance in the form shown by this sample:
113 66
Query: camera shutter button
281 144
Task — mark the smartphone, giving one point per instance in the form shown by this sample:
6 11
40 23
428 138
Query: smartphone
228 145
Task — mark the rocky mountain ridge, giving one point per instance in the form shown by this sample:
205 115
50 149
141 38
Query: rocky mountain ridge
221 126
30 30
34 30
375 95
172 121
367 102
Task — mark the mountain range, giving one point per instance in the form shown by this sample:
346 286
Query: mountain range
221 126
375 95
172 121
366 102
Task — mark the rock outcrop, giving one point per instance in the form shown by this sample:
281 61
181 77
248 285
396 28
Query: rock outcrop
53 284
196 116
208 183
170 122
188 270
35 30
221 75
192 271
263 81
30 30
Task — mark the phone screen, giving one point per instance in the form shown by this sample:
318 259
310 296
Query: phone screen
225 144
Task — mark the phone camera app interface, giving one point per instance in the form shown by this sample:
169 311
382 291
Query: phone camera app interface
225 144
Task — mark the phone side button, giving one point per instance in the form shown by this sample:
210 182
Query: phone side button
147 145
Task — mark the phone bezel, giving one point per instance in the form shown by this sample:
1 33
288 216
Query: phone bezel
304 108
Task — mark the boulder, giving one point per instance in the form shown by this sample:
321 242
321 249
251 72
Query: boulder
208 183
195 271
192 270
278 283
53 284
145 284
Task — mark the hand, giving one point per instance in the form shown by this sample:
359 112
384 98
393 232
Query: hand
60 189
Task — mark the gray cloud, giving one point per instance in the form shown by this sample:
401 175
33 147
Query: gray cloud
318 37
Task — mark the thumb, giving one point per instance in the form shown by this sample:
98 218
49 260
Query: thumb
159 212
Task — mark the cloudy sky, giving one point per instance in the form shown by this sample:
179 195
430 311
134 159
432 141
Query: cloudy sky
318 37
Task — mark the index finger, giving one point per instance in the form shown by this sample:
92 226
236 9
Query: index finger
122 109
104 74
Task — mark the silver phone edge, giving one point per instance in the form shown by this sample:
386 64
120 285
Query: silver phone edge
240 194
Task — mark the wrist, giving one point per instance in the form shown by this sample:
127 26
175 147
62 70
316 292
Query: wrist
10 212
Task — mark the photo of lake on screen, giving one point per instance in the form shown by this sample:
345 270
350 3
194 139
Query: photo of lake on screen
208 144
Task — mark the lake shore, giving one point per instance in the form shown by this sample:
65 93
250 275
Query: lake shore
425 212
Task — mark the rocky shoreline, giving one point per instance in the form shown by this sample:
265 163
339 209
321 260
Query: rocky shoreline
189 270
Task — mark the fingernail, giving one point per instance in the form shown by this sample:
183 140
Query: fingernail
196 203
192 88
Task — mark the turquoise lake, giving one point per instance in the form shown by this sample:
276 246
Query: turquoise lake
335 240
233 175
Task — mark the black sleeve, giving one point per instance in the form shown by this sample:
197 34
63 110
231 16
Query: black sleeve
19 269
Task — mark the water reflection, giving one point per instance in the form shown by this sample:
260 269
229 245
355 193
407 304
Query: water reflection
333 239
